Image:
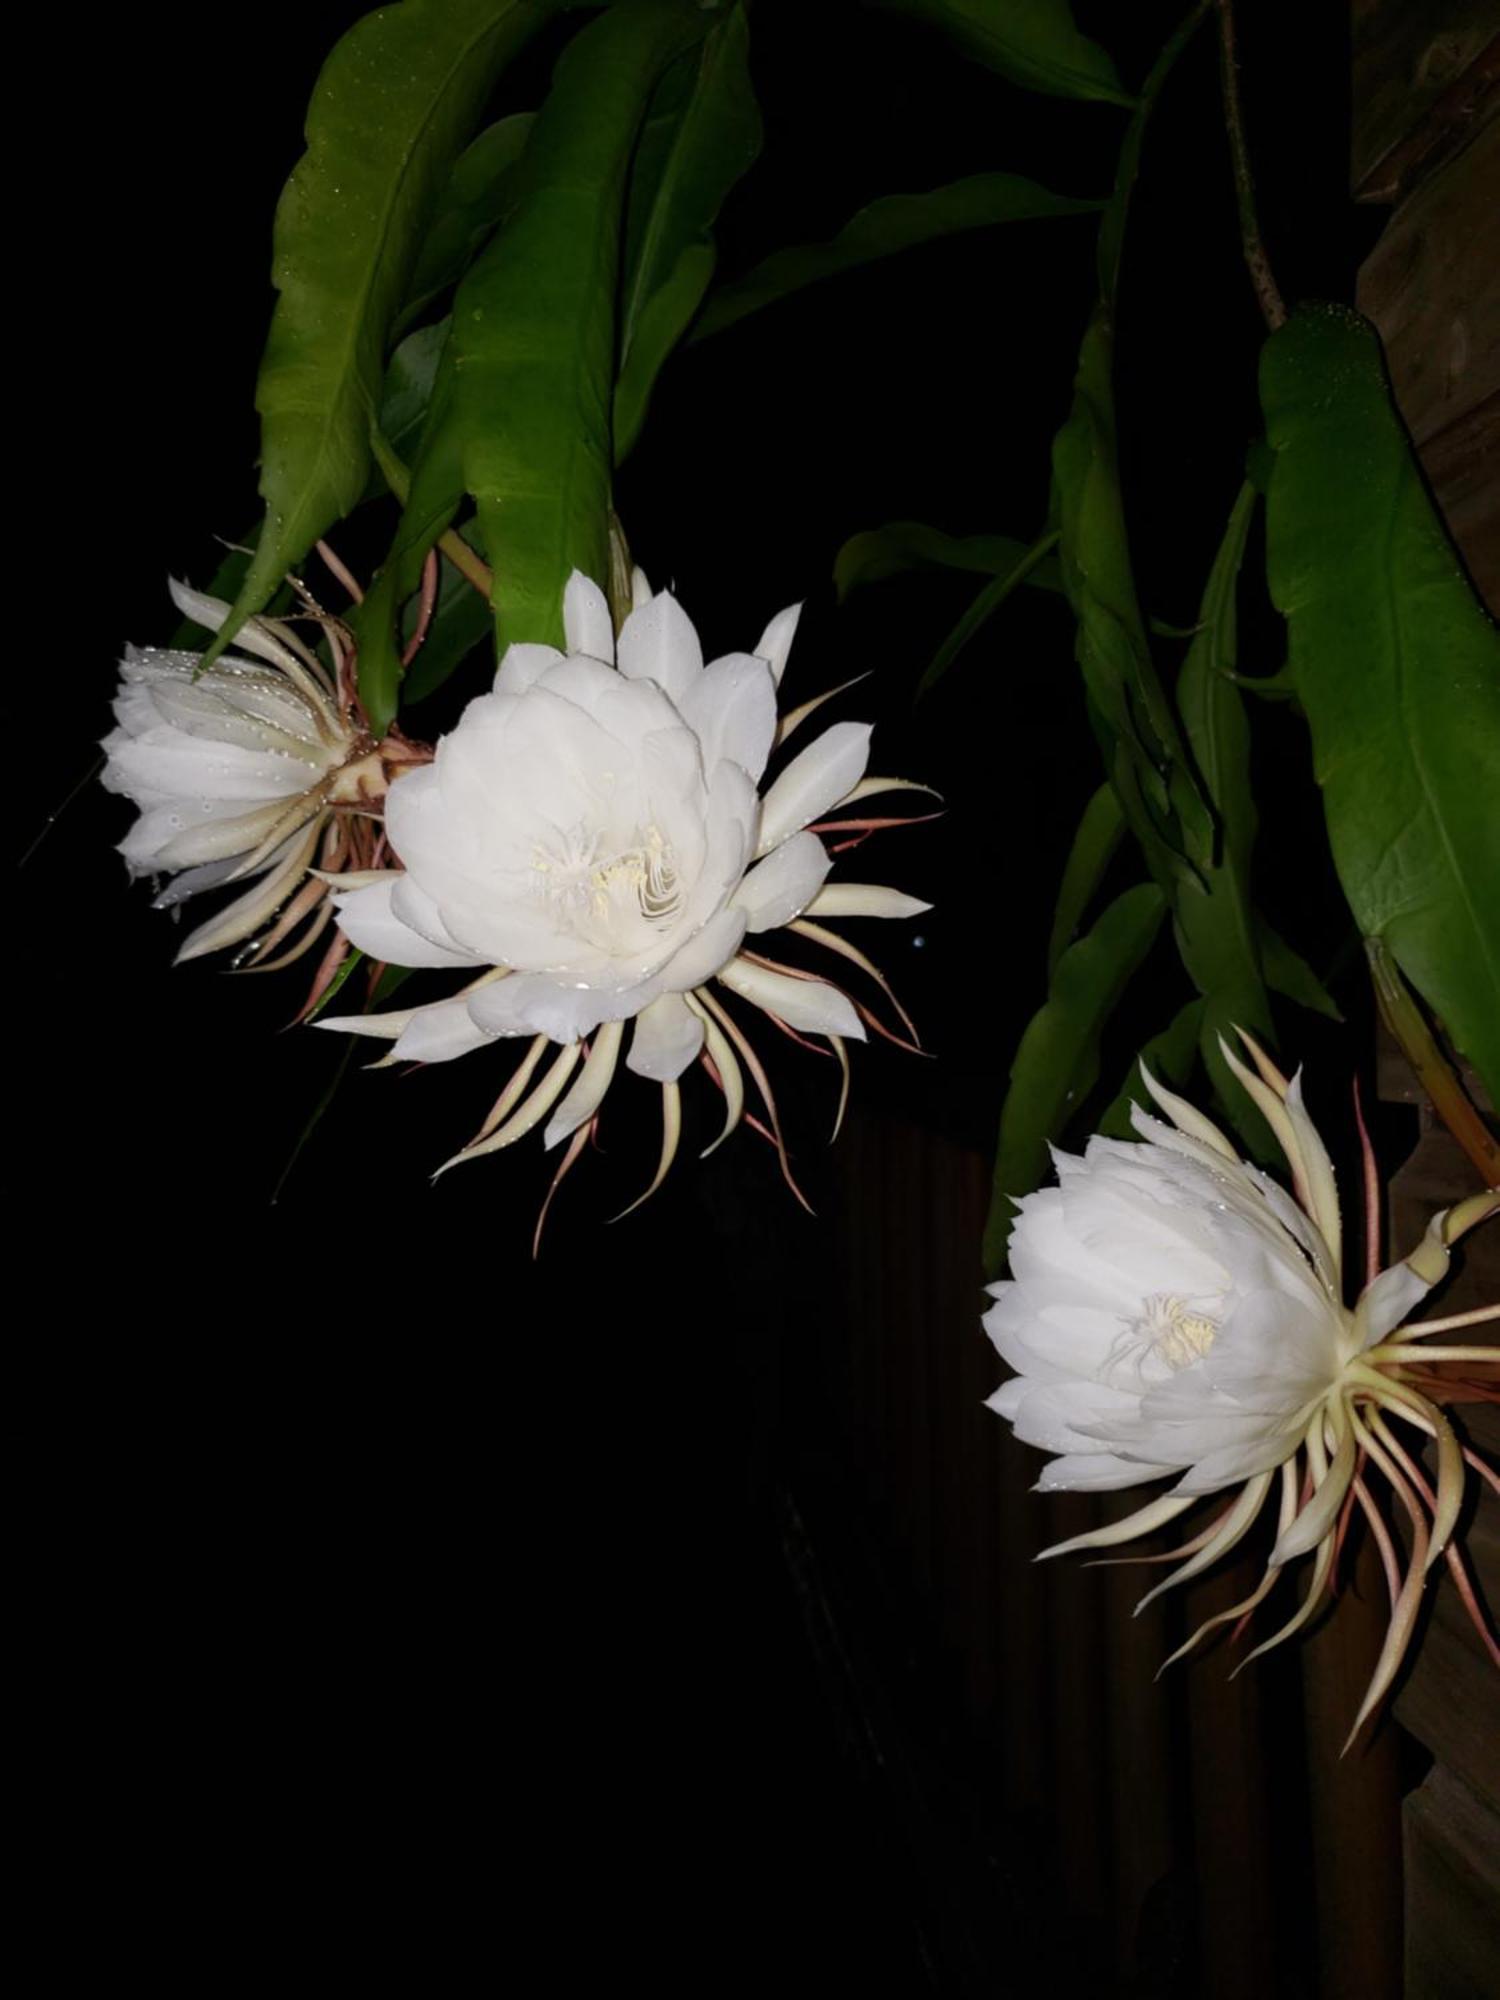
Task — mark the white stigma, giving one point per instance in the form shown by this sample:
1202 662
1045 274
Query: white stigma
600 890
1174 1330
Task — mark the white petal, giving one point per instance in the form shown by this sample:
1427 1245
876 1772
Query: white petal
816 779
586 619
731 708
640 588
1056 1416
704 954
658 643
666 1039
170 763
776 640
863 899
523 664
178 835
529 1003
438 1034
1007 1398
785 884
366 918
413 907
805 1004
380 1027
1096 1472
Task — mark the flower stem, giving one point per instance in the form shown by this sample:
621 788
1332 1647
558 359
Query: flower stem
451 542
1267 293
1433 1071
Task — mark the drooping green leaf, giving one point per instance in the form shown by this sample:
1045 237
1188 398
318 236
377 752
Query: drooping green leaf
1287 972
701 134
1170 1057
404 398
396 100
1095 844
1057 1063
468 212
1217 931
1117 209
660 325
984 607
895 222
520 410
1397 666
1137 729
904 545
1033 42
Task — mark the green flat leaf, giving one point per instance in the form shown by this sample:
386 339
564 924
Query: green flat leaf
1137 729
397 98
984 607
1217 931
1033 42
663 320
1288 973
404 398
895 222
702 133
1099 834
1397 666
520 410
905 545
470 209
1170 1057
1057 1063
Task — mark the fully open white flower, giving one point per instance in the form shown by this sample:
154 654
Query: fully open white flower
1173 1313
1170 1311
592 842
236 771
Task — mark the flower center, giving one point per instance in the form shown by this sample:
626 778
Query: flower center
604 894
1174 1331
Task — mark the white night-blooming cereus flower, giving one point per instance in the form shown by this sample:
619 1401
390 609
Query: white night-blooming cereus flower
254 773
592 847
1172 1313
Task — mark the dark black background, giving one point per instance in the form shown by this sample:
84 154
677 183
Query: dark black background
382 1580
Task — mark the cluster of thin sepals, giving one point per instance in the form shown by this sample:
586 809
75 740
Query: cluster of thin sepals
727 1053
1350 1434
355 850
323 837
